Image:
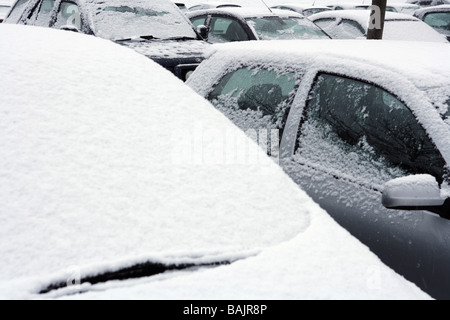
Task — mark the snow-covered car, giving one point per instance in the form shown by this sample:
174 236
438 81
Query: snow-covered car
406 8
4 9
353 24
248 23
116 177
302 9
156 29
349 117
437 17
356 6
213 5
428 3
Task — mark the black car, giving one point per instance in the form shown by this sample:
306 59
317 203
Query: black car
157 28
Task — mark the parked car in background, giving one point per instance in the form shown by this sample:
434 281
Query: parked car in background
356 6
302 9
154 28
4 9
110 182
437 17
212 5
428 3
353 24
242 24
406 8
361 125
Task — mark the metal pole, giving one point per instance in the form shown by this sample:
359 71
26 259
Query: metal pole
376 23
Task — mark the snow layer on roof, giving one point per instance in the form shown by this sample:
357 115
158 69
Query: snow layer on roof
96 167
418 62
320 263
398 26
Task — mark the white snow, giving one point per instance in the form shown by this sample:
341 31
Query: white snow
324 262
90 180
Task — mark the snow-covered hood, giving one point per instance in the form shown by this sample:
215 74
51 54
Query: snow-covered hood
169 49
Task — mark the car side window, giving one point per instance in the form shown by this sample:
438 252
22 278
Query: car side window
199 21
68 15
350 29
357 130
16 12
255 98
225 30
327 25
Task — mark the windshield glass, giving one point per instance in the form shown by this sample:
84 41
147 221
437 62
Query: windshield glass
271 28
439 20
121 19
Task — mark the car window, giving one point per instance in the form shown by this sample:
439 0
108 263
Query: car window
359 131
439 20
225 30
285 28
41 14
351 29
256 98
199 21
16 11
326 24
68 15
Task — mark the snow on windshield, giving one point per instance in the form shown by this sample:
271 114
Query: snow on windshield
270 28
126 19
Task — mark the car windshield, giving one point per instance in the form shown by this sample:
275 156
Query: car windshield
439 20
271 28
122 19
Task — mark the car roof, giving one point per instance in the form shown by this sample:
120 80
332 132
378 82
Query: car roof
442 8
247 12
361 16
410 58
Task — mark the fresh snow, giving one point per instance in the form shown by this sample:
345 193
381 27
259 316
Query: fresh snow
108 160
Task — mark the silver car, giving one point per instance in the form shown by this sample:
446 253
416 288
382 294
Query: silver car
362 126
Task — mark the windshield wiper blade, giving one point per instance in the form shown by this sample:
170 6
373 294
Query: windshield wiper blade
149 37
181 38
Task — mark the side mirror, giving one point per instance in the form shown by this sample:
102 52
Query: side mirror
417 192
203 31
69 27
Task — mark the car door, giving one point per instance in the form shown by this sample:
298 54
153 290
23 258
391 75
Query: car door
352 138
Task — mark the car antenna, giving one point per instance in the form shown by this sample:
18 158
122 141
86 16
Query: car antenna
267 6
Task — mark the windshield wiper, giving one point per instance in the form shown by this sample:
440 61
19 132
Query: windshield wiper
149 37
181 38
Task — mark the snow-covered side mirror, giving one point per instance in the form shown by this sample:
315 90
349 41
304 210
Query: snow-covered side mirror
417 192
203 31
69 27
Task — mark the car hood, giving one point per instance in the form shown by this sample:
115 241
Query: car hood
169 49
